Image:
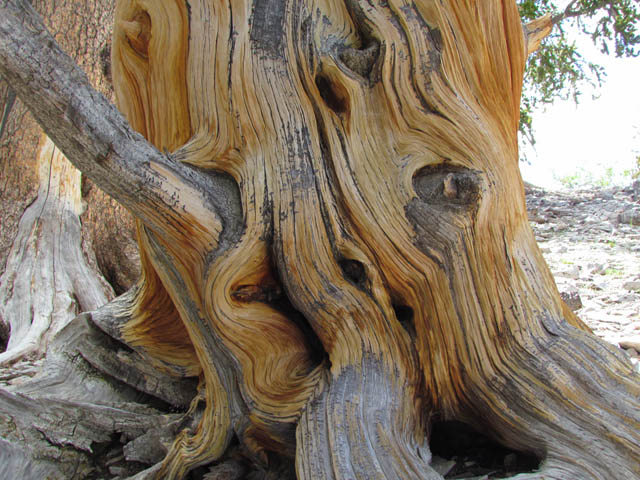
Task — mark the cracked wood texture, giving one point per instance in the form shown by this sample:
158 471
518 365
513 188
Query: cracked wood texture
375 149
338 243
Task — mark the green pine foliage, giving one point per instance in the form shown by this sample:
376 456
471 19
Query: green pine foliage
558 70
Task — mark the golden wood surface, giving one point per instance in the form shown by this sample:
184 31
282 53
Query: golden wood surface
375 150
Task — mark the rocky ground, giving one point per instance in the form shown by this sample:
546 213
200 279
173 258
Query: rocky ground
591 241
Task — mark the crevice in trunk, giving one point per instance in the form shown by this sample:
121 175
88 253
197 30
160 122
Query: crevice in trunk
109 459
333 94
447 185
475 454
5 334
283 304
355 272
404 315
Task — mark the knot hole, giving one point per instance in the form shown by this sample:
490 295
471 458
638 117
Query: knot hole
354 271
335 96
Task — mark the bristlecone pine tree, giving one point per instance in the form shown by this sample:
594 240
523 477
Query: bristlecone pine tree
334 240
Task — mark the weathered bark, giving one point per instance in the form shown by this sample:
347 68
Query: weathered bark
337 243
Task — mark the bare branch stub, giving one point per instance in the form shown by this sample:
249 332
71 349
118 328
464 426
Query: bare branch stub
537 30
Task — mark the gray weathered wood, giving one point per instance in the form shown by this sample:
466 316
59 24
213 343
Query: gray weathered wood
369 394
72 410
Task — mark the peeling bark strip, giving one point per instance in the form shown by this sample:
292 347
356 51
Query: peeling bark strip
390 212
6 110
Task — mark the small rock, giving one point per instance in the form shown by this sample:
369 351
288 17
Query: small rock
596 268
607 195
631 329
625 297
442 465
632 354
572 299
605 227
633 286
630 342
118 471
510 462
601 285
573 272
630 216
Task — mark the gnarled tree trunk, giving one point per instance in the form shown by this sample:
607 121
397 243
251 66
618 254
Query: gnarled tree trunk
337 243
